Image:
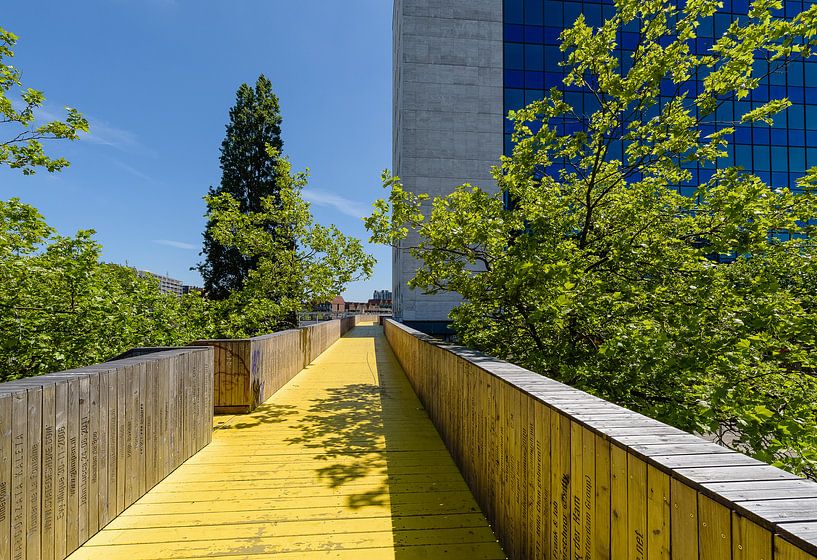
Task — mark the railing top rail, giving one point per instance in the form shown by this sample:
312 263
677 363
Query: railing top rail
57 376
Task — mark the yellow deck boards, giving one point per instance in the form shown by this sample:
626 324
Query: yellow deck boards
342 462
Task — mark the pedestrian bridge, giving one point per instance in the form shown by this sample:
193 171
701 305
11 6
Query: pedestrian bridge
380 444
342 462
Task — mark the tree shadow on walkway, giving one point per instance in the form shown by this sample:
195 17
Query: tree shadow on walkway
269 413
346 427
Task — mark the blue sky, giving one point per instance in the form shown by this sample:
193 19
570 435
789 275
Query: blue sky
156 79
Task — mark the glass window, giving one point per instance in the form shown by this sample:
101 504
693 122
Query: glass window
780 179
779 136
797 159
707 27
535 57
534 80
760 134
513 11
780 161
797 137
793 8
794 74
741 108
795 116
514 33
722 23
552 35
760 157
534 34
593 14
778 78
724 113
743 135
572 11
743 156
514 56
533 12
532 95
810 73
553 13
514 79
810 116
514 99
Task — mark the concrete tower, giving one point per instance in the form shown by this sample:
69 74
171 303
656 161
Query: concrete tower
448 113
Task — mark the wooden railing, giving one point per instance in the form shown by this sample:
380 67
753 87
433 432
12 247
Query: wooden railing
565 475
78 447
249 371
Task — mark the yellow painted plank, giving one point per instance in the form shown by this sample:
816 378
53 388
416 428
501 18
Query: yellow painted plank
684 521
292 528
749 540
342 462
658 514
783 550
714 530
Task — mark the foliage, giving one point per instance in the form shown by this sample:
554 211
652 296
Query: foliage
23 148
599 274
296 260
248 175
60 307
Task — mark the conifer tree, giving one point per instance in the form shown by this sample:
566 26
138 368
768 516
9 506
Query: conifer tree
248 174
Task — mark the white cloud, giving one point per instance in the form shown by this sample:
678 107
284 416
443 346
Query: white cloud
341 204
105 134
100 132
176 244
133 171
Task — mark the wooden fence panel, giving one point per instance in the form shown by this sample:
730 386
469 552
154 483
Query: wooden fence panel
249 371
77 446
562 475
19 442
93 454
49 461
103 443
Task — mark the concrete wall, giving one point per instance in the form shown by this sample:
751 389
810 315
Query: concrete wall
447 115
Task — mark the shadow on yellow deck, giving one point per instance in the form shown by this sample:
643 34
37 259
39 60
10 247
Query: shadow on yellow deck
343 462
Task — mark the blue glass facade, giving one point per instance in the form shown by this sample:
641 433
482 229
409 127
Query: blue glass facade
778 155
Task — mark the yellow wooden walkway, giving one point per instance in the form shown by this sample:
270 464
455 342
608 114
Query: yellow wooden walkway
343 462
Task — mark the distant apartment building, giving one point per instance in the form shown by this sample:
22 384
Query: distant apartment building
382 295
336 306
380 303
167 285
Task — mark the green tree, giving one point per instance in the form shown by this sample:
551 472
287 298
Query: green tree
296 260
60 307
603 276
248 176
22 144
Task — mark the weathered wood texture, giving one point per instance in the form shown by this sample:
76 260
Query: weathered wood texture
562 474
78 447
249 371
